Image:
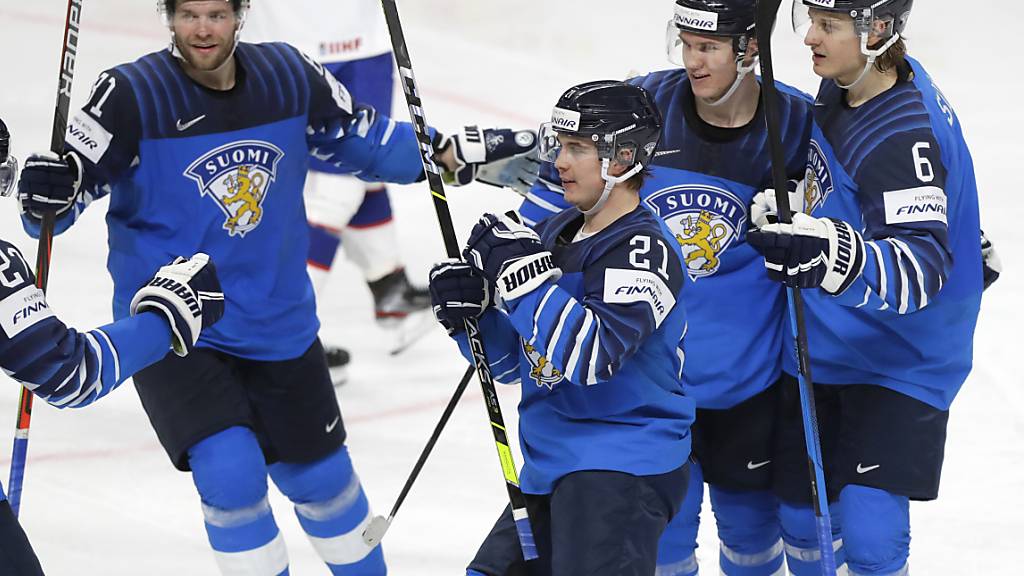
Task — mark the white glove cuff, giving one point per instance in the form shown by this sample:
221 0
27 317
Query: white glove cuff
845 258
527 274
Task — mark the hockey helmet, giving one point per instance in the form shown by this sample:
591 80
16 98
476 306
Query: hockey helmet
729 18
619 118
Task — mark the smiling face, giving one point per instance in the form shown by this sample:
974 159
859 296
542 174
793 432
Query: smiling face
204 31
710 64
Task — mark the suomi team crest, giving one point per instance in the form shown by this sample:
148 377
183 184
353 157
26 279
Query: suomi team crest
817 178
238 176
704 219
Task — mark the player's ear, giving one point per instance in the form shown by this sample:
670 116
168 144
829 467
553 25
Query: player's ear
752 51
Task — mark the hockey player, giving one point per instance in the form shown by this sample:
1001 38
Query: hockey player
69 369
713 159
205 146
590 321
350 40
889 257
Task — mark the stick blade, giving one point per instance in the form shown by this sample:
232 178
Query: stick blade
374 533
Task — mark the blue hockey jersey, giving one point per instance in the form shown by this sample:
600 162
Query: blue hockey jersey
703 179
897 168
61 366
190 169
599 353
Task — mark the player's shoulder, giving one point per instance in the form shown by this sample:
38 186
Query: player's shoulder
273 58
793 97
662 84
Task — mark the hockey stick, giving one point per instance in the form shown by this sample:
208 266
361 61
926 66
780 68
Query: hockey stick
60 126
379 525
765 23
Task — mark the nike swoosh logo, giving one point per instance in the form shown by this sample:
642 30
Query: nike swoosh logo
182 126
861 469
752 466
333 424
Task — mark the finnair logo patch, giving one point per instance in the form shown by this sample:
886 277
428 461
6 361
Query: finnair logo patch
623 286
696 19
22 310
567 119
88 137
825 3
923 204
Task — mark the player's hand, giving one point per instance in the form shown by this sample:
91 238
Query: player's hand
457 293
464 153
49 183
509 255
764 209
188 293
991 265
811 252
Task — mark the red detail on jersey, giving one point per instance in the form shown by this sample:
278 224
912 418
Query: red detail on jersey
341 46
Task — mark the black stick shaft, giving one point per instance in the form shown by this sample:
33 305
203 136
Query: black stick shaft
444 218
60 125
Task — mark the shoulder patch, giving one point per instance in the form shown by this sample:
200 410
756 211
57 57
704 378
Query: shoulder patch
22 310
922 204
88 137
625 286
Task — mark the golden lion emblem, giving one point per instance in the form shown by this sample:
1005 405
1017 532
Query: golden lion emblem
543 371
248 191
705 237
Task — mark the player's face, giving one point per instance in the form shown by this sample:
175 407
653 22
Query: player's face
205 32
579 167
835 46
710 64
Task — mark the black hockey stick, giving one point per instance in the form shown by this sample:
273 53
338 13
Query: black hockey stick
60 126
765 23
375 531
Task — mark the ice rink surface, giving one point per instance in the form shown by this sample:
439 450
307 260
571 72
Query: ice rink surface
100 495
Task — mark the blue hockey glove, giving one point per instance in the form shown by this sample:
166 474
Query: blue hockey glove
475 147
811 252
49 183
457 293
991 265
188 293
509 255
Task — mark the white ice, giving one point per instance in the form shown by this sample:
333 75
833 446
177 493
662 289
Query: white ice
100 496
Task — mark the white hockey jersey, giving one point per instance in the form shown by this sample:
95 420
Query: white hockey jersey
327 30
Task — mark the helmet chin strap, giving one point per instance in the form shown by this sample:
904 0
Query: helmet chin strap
741 73
871 54
609 183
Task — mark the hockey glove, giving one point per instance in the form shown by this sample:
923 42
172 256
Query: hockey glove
188 293
764 209
811 252
8 163
991 265
475 147
509 255
49 183
457 293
